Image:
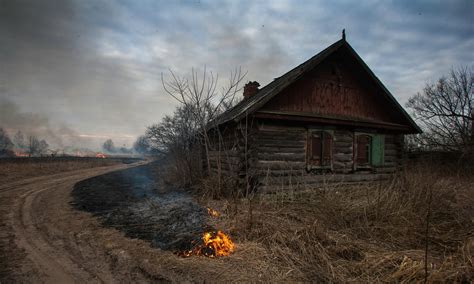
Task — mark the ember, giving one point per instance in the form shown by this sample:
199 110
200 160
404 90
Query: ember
100 155
212 212
20 154
213 244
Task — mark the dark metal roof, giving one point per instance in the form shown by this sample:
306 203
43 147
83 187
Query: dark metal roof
251 104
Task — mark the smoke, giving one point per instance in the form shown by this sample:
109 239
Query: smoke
12 119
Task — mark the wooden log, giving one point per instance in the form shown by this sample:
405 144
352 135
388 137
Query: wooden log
341 157
327 178
266 135
275 165
279 172
342 165
343 150
280 128
386 169
390 164
279 149
343 144
391 152
392 146
281 156
343 137
279 143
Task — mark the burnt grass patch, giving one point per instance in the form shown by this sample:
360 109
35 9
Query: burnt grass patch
135 202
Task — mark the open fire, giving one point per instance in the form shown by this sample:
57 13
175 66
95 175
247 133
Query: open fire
100 155
212 212
20 154
213 243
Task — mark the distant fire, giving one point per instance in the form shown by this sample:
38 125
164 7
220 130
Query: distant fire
20 154
212 212
213 244
100 155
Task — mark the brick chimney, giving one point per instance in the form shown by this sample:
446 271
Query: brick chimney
251 88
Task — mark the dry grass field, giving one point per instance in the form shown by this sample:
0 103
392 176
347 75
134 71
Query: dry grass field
12 169
366 233
379 232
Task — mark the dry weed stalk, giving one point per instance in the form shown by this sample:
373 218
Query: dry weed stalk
366 232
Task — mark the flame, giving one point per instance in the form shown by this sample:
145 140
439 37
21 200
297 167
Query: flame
220 244
20 154
100 155
213 244
212 212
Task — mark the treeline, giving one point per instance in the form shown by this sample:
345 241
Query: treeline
140 146
20 145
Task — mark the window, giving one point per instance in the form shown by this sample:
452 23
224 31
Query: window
369 150
319 149
364 147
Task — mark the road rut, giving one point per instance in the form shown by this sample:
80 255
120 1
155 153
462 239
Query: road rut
37 212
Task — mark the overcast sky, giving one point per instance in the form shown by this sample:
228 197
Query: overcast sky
91 69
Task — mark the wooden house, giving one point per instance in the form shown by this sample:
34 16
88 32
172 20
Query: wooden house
329 119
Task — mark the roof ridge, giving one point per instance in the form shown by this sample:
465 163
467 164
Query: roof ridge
254 102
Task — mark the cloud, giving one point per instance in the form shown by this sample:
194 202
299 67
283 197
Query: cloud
95 66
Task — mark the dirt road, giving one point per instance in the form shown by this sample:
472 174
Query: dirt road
40 236
45 239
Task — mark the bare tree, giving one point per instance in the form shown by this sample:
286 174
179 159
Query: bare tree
19 140
6 144
33 146
43 147
125 150
445 112
109 146
142 145
199 97
176 136
177 130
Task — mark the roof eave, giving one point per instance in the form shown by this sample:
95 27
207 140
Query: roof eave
348 121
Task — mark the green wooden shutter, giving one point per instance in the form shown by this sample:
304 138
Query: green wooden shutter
378 145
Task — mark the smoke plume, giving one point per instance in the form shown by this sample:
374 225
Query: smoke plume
12 119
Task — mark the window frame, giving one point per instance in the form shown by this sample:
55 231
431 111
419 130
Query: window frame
367 165
371 163
322 134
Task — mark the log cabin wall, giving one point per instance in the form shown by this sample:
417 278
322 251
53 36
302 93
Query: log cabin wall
394 153
231 153
225 152
280 159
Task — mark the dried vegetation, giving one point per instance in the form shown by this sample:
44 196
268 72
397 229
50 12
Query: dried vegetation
20 168
373 232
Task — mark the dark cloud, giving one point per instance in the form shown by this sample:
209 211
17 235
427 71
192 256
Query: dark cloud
95 65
